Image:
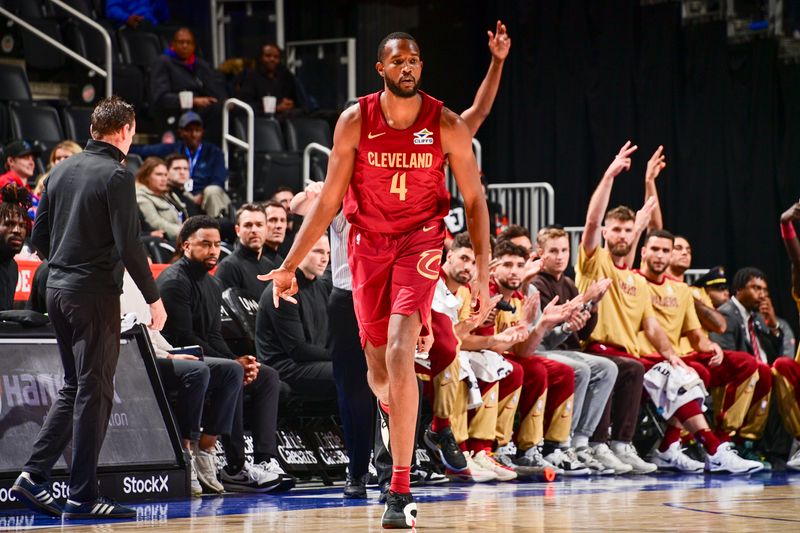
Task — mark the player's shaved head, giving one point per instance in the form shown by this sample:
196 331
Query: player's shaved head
396 35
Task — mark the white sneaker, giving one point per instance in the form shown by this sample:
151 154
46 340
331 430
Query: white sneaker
674 459
532 458
794 456
272 466
565 460
206 467
597 468
195 487
474 472
251 478
727 460
487 462
626 453
604 455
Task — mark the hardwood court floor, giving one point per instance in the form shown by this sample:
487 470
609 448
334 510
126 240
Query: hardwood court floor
639 503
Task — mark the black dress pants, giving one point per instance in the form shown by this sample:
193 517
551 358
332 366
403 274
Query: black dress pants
214 378
262 394
355 398
87 328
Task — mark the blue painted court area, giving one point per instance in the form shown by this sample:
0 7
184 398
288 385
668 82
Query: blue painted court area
155 513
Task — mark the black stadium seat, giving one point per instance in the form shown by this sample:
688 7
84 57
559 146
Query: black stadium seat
14 83
274 166
39 122
76 121
89 43
300 132
139 48
40 55
239 321
27 9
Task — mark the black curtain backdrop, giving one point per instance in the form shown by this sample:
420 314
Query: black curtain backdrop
585 76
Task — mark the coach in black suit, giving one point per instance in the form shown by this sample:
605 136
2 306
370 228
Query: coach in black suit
87 225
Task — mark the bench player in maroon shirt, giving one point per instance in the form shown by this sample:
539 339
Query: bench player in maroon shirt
386 164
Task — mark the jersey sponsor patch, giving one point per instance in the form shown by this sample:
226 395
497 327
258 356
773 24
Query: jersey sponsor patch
423 136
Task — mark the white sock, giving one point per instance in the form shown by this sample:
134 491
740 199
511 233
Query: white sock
616 445
580 441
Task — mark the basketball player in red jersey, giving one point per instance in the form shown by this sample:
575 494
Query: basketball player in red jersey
386 164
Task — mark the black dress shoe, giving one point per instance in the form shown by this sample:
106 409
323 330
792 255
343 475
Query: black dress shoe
355 487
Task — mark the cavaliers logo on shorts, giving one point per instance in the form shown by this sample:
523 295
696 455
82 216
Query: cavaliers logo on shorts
428 264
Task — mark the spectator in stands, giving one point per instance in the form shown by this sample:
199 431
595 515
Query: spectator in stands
14 227
277 221
19 163
178 178
161 209
206 163
193 300
62 151
137 13
247 260
284 197
179 69
270 77
292 338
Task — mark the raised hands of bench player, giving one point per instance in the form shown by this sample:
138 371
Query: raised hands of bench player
284 285
622 161
499 42
656 164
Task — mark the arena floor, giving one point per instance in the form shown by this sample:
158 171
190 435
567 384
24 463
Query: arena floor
642 503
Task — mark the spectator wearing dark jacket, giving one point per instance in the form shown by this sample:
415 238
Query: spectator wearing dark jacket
270 77
292 337
206 163
179 69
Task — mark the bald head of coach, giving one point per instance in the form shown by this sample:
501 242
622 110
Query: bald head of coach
87 225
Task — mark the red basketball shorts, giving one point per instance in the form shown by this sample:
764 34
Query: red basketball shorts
393 274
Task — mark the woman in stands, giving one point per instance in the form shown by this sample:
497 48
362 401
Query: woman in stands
62 151
161 209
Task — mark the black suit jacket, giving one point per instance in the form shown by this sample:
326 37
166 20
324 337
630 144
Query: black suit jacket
737 338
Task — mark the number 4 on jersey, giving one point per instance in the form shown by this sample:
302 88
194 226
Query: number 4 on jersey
399 185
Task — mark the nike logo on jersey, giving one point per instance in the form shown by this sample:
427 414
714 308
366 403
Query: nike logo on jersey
371 135
429 228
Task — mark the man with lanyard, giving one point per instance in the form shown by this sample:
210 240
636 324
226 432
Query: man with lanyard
207 170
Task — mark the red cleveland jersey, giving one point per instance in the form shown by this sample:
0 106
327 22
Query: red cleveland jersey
398 179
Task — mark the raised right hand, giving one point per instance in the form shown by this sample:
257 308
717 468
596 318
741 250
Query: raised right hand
622 161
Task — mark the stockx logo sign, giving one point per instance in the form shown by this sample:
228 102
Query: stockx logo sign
153 484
